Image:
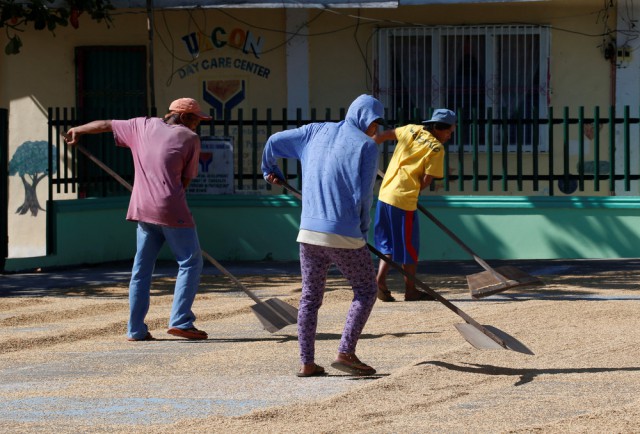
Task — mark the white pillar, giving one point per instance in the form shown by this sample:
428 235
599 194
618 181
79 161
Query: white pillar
627 90
297 69
297 62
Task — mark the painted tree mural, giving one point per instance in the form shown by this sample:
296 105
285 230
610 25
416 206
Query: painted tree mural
30 162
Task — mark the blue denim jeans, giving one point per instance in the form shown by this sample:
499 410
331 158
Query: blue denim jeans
185 246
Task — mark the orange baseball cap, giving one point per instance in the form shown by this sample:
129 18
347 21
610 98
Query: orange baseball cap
188 105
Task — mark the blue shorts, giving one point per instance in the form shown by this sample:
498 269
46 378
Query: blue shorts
397 233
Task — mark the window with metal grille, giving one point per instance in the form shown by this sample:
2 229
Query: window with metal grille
481 72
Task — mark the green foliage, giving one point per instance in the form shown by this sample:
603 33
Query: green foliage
16 15
31 158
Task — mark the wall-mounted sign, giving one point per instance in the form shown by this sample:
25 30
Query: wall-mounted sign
215 174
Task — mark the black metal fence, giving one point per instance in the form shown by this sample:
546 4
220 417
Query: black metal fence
571 152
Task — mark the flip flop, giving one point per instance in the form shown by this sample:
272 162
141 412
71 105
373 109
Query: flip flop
385 295
190 333
353 366
147 337
318 371
420 296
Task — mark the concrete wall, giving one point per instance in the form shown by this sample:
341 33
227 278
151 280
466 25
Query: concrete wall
251 228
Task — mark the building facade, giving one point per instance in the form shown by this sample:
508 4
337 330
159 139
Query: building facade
513 59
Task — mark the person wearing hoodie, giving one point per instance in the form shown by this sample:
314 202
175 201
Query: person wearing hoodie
339 165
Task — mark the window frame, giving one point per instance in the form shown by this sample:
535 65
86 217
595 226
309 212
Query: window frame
434 95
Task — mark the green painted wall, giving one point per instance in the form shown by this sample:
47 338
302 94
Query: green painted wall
252 228
537 227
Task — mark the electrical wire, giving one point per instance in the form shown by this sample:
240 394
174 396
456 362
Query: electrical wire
602 16
291 35
602 13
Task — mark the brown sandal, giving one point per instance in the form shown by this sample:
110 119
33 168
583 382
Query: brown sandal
146 337
318 371
418 296
385 295
352 365
190 333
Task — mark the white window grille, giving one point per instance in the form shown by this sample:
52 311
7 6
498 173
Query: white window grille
469 69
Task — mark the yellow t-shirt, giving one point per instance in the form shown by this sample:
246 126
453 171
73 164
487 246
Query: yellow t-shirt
417 153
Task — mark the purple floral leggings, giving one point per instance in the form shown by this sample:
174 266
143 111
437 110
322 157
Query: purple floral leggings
356 265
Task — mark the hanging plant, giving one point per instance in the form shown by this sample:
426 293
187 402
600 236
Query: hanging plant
16 16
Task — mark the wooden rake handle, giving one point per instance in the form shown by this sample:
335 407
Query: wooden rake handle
104 167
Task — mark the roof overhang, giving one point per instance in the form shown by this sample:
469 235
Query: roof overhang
311 4
448 2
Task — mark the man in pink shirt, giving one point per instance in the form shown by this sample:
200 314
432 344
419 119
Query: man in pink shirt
165 157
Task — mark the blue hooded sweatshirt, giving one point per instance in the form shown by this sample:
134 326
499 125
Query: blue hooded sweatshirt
339 164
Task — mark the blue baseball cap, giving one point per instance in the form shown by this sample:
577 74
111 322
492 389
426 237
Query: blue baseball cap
443 116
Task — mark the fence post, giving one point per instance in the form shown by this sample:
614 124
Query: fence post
581 147
550 138
519 141
269 129
626 131
505 150
240 150
612 150
285 161
461 141
489 142
254 150
596 148
474 140
565 150
536 145
4 187
298 163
